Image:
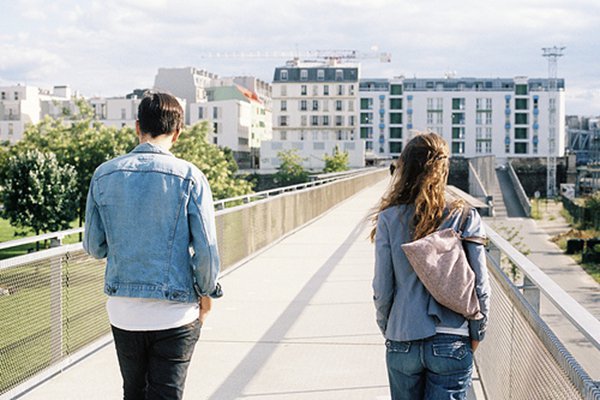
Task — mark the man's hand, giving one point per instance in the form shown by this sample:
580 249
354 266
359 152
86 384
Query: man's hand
205 306
474 345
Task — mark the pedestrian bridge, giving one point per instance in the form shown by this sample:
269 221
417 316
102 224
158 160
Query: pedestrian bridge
297 319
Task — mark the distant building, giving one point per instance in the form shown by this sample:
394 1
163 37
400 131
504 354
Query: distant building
583 139
508 118
23 105
314 111
115 111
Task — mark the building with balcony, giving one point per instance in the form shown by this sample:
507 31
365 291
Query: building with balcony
509 118
315 109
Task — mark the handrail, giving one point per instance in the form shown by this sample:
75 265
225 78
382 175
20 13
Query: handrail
523 199
38 238
581 318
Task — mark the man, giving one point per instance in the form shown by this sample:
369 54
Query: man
151 214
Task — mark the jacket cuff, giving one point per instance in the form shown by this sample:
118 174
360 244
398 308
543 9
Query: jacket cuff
477 328
215 294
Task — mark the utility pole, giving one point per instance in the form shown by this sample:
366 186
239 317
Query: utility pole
552 54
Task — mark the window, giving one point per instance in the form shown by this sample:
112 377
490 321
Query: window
350 105
123 113
339 120
200 112
303 120
303 75
458 118
320 74
368 145
395 147
283 105
395 104
351 120
283 120
315 105
521 104
521 118
283 135
314 120
458 133
521 89
520 148
338 105
366 118
458 103
339 75
16 95
351 90
215 112
303 90
325 120
325 90
396 133
395 118
283 75
366 132
340 90
302 105
520 133
458 147
366 104
396 89
483 104
216 129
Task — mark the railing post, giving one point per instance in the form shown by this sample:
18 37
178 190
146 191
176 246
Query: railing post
494 254
56 314
531 294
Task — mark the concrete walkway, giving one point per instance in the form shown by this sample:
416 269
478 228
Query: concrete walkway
296 322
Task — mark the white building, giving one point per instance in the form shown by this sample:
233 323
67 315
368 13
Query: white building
509 118
23 105
314 111
116 111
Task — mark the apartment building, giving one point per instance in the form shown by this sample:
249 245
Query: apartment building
315 109
21 105
509 118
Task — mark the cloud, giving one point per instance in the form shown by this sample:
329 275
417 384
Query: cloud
28 64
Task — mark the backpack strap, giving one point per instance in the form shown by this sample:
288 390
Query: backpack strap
466 210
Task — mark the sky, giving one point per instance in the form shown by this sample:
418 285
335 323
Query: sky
110 47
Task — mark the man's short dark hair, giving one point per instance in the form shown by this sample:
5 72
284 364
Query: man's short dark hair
159 114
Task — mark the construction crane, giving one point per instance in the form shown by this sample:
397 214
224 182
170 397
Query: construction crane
339 55
552 54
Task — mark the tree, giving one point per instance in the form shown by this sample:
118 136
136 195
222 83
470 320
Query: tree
39 193
290 171
336 162
83 144
194 147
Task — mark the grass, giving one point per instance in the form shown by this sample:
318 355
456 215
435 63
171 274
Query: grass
9 232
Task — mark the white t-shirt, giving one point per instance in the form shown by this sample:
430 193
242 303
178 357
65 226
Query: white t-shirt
138 314
462 330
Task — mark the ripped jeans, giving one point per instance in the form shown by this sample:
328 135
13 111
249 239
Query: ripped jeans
435 368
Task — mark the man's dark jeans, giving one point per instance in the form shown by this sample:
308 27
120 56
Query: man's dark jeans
154 364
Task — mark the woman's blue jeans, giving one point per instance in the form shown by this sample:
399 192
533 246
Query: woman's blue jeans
154 364
435 368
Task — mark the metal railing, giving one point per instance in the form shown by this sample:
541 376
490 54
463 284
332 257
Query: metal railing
52 305
523 199
522 358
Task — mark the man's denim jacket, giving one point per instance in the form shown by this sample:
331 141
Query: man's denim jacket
151 214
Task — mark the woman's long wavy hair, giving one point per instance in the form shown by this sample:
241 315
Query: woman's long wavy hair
420 179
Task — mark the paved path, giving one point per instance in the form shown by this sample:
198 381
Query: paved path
296 322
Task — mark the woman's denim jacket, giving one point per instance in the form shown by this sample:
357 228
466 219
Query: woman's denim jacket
405 309
151 214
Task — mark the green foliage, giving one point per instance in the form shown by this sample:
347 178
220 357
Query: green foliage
290 171
194 147
82 144
592 203
336 162
39 193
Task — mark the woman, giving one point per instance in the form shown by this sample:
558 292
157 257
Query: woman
429 347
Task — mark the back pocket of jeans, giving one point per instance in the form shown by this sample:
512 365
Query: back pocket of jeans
457 350
397 347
